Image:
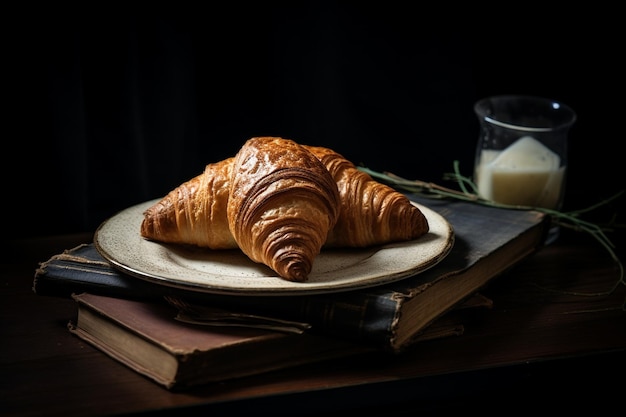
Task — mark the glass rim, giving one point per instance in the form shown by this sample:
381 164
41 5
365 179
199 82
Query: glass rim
484 109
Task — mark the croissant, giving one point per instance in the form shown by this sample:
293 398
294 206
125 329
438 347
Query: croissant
198 211
194 212
371 213
282 205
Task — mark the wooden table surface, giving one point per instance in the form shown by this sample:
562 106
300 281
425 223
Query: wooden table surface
538 351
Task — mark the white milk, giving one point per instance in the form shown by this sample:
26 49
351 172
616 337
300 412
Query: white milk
526 173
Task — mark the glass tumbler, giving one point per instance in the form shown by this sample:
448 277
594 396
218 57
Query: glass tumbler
521 155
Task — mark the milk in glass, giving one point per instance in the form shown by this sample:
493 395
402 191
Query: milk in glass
527 173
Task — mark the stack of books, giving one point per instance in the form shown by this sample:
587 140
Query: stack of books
180 338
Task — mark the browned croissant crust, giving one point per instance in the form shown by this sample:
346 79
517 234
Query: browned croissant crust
195 212
371 213
283 202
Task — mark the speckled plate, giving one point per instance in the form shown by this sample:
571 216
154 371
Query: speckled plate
232 272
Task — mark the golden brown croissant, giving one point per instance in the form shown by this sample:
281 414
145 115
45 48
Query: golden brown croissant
371 213
283 202
195 212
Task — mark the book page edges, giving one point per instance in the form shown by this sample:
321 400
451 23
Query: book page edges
140 357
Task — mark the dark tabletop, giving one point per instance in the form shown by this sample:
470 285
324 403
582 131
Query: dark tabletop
538 350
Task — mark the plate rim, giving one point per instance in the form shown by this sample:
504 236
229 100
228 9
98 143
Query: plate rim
286 288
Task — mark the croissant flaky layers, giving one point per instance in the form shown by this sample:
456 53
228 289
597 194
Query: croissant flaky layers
281 203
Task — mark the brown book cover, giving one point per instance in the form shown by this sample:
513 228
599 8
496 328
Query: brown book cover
146 337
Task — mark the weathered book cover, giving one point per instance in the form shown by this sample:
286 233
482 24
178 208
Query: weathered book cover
488 241
146 337
83 269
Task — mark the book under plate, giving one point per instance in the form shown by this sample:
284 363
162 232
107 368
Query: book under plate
488 241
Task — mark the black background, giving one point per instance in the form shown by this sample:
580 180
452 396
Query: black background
111 107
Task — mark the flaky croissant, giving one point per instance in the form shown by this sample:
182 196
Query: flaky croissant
198 211
282 204
371 213
194 213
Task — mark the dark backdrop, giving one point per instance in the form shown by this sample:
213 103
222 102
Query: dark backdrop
114 107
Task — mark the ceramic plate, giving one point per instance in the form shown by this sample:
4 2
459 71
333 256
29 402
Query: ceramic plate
232 272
